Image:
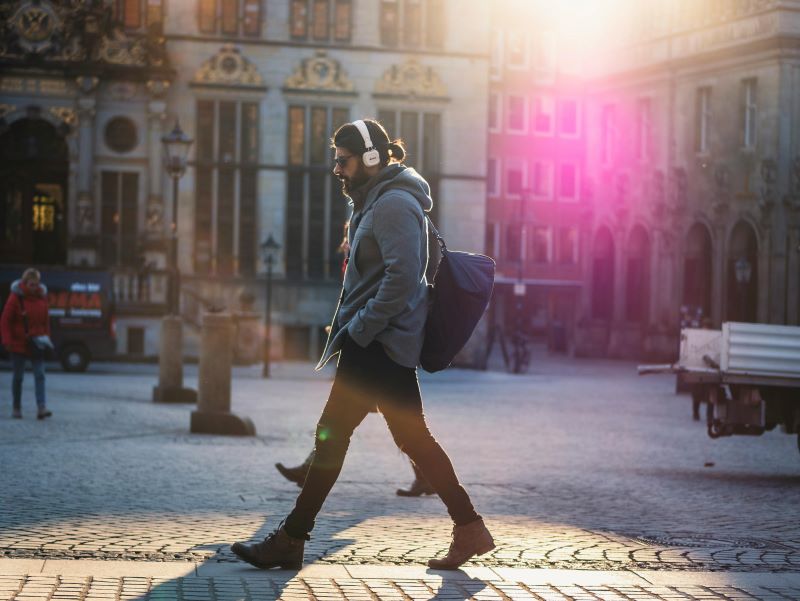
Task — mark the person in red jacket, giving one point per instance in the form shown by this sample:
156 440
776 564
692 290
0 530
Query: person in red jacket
27 302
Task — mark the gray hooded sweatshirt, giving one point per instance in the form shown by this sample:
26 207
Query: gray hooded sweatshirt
385 293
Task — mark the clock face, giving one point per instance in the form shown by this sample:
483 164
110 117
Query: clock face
35 24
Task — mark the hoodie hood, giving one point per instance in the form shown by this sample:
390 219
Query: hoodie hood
396 177
17 287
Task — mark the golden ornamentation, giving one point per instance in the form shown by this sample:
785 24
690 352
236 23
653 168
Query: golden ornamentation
157 87
120 50
319 73
65 114
5 109
411 79
35 23
228 68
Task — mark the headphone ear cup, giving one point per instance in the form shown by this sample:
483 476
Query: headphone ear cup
371 158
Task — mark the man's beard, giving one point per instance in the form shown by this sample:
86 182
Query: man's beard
351 183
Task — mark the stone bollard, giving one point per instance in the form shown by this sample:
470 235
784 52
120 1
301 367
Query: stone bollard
170 365
213 415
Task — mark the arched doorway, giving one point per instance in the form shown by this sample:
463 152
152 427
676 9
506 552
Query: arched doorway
603 275
33 191
637 276
742 274
697 271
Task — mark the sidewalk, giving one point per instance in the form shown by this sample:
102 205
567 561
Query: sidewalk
105 580
595 483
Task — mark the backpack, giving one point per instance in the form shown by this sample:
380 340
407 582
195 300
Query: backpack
461 289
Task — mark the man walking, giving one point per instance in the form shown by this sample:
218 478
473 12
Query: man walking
377 331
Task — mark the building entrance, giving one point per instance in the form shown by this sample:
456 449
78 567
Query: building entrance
33 192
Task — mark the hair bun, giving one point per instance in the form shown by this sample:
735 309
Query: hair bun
396 151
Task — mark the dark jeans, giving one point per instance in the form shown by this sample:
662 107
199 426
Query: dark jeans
18 368
366 378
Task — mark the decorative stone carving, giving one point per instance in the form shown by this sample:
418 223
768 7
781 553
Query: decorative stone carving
319 73
75 31
411 80
65 114
158 88
228 68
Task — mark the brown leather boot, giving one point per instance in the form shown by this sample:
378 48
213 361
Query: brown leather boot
419 487
468 540
278 550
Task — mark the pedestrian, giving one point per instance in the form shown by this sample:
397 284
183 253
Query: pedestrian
25 329
377 331
420 486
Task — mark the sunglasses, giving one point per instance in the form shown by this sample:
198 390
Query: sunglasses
342 161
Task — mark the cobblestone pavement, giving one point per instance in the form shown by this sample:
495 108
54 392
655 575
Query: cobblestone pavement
576 465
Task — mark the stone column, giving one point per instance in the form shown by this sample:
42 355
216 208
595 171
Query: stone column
170 364
213 414
155 232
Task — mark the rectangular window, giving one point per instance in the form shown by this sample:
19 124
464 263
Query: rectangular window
155 11
251 22
608 125
543 114
412 23
515 177
297 135
496 57
541 245
299 19
750 113
434 32
207 17
226 190
702 119
543 179
320 27
568 182
545 60
516 114
643 128
119 218
343 18
513 245
131 11
390 20
316 208
568 246
230 17
568 122
516 49
495 111
409 132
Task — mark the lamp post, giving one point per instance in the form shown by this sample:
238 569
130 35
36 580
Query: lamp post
176 145
744 271
268 249
176 150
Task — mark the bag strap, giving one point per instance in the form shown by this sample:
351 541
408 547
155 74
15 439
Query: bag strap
21 299
436 233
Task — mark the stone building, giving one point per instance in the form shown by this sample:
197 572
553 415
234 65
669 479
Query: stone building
88 88
693 153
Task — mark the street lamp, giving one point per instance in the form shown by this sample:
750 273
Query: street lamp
170 388
743 270
268 249
176 151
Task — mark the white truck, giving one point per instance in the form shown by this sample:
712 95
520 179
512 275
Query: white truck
747 373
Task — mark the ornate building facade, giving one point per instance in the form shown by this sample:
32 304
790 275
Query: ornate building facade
88 88
692 152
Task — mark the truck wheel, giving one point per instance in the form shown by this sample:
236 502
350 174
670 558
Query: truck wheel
74 357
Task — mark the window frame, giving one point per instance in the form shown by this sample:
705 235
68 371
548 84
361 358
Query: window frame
575 182
496 190
608 133
644 129
703 120
750 113
524 64
508 113
560 114
564 232
496 100
535 230
215 11
511 164
396 35
549 192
